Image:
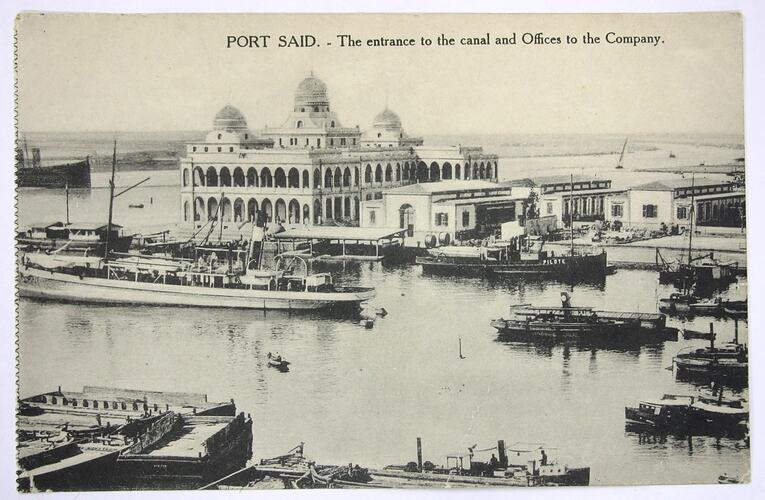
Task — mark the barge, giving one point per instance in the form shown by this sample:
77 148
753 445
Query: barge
584 323
105 439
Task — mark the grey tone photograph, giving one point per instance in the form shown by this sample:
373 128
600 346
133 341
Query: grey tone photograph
362 251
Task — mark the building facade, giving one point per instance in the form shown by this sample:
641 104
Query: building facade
310 170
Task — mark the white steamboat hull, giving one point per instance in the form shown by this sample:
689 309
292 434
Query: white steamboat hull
43 284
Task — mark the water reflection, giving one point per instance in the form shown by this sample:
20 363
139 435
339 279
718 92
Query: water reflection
363 395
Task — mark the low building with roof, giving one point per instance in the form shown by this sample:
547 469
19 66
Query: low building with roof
668 202
461 209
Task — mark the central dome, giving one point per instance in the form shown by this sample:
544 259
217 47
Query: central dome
229 119
311 91
387 119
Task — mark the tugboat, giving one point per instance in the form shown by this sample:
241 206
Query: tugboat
715 414
702 272
729 361
521 464
669 412
521 256
702 414
689 304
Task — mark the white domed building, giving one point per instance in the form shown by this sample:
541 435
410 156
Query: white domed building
387 132
313 171
312 123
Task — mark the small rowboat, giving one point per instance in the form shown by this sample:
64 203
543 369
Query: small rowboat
136 205
278 362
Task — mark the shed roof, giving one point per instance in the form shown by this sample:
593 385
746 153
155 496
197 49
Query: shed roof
672 184
426 188
337 233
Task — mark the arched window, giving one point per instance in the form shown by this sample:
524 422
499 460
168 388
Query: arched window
293 180
280 180
457 171
239 210
347 177
252 210
225 177
212 208
435 172
212 177
294 212
406 171
446 170
252 177
186 210
467 171
267 209
332 124
378 173
280 211
199 208
185 177
198 177
368 174
306 181
338 177
265 178
388 173
316 212
316 109
328 178
306 214
238 177
356 176
299 124
398 172
316 179
220 136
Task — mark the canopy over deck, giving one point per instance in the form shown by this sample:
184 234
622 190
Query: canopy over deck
339 233
535 311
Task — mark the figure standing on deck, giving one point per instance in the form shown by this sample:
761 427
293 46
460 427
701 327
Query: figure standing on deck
565 300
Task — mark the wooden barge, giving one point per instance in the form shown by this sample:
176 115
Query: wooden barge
102 439
574 323
188 452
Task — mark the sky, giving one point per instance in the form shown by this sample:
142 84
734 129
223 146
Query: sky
89 72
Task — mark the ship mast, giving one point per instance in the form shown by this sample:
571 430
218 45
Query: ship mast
111 202
66 186
621 156
571 215
692 215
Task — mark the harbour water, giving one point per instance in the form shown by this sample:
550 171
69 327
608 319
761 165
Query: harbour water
363 396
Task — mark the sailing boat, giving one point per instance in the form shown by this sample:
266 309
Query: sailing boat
209 280
621 156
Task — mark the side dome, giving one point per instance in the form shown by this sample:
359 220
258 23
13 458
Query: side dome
311 91
387 119
229 119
